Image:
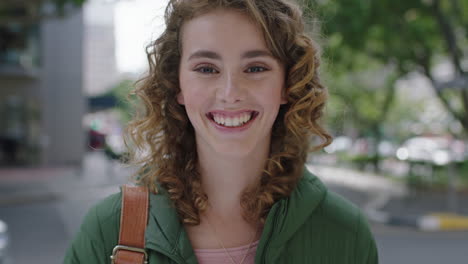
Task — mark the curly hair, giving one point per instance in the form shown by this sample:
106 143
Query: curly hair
163 139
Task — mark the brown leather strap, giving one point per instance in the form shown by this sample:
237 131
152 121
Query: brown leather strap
133 221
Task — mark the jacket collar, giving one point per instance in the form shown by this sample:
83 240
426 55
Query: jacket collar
166 234
296 209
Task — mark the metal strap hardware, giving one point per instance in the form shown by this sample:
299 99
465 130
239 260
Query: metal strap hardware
133 249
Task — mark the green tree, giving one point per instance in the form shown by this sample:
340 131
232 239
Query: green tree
126 101
412 35
360 101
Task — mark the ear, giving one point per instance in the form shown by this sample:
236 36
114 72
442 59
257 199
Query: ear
284 97
180 98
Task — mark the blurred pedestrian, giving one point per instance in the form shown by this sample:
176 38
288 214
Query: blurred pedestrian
232 100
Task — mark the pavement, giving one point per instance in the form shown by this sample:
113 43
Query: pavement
390 202
383 200
30 185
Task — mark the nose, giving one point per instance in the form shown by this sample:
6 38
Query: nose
230 90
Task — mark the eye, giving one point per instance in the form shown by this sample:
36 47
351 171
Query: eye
206 70
256 69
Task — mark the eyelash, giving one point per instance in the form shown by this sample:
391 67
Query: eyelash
206 67
263 69
202 69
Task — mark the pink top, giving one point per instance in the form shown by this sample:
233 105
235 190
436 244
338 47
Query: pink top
218 256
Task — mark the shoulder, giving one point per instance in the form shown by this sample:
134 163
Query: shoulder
339 221
98 233
339 210
330 206
349 224
103 215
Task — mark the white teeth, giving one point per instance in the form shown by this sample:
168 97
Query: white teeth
232 122
245 117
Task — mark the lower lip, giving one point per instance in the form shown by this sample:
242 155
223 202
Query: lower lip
233 129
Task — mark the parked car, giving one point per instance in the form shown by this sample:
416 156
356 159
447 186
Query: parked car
438 150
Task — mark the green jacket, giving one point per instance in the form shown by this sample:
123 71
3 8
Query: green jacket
313 225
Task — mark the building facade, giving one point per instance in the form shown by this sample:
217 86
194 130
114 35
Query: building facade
41 92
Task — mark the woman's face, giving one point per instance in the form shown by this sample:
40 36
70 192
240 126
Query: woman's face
231 85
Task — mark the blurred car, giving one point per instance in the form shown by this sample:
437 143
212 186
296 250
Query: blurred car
437 150
96 140
361 146
4 243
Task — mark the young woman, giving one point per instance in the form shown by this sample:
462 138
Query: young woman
232 100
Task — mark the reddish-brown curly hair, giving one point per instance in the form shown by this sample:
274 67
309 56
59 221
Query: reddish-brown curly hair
163 139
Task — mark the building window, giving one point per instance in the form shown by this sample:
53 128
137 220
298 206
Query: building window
19 46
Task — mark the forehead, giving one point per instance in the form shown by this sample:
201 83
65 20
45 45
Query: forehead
221 30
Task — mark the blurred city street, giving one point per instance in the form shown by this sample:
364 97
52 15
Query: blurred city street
44 211
43 214
396 81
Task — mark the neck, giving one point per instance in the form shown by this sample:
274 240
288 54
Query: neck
225 177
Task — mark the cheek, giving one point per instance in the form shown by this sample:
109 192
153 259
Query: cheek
189 89
270 101
274 93
196 91
272 98
195 101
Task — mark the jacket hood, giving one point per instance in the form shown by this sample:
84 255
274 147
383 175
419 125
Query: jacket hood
165 232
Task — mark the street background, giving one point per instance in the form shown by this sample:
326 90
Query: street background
44 214
397 76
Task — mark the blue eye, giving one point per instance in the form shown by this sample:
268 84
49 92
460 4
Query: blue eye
256 69
206 70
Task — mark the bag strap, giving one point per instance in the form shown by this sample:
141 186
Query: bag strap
133 221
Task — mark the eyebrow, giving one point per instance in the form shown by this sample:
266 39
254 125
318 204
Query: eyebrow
205 54
256 53
213 55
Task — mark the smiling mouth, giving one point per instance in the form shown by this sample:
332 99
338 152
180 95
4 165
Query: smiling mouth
232 121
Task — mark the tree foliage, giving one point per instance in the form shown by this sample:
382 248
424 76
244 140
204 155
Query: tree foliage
413 35
126 102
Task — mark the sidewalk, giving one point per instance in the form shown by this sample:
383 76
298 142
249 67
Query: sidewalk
391 202
383 200
28 185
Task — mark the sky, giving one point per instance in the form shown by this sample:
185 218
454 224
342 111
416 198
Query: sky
137 22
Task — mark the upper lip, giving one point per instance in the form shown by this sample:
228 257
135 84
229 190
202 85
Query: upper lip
230 113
